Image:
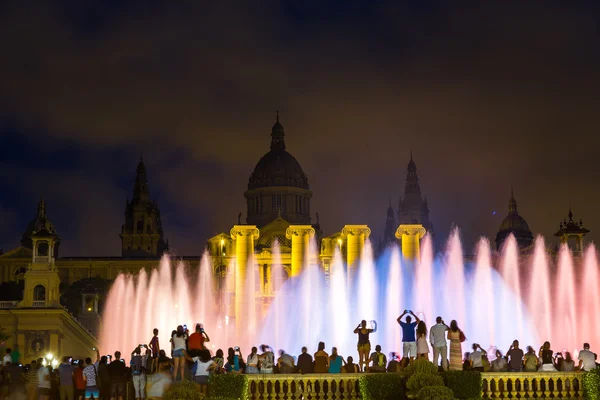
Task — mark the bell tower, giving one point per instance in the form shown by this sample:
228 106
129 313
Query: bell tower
142 233
41 279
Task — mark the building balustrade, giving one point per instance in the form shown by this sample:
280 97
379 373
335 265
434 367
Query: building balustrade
496 385
8 304
528 385
39 303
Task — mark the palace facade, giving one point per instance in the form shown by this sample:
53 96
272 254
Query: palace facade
278 200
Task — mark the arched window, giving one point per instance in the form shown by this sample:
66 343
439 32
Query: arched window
140 226
42 249
39 293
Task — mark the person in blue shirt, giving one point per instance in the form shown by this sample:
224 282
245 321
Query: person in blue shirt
409 340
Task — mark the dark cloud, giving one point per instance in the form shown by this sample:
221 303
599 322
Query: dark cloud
487 96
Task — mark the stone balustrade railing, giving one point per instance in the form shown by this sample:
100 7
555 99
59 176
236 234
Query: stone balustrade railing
529 385
303 387
496 385
8 304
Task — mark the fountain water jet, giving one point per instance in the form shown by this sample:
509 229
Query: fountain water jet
540 302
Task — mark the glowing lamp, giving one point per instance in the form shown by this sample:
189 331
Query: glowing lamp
340 242
222 242
89 308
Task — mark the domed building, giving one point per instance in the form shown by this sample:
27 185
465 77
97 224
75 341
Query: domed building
278 187
514 224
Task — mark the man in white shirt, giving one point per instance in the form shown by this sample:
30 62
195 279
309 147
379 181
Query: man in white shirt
44 381
437 338
587 359
475 357
7 357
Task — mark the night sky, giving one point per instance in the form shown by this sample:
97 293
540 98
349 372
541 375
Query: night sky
486 94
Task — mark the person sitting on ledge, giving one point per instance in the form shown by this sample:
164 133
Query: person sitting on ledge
587 359
266 359
379 360
499 364
335 362
515 355
321 360
475 358
285 363
394 363
350 367
305 362
546 356
530 361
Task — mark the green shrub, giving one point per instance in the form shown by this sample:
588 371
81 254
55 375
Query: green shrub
389 386
219 398
419 380
591 384
435 393
184 390
229 386
421 366
464 384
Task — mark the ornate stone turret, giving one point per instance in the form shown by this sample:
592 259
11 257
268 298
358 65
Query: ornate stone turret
142 233
515 224
412 208
278 187
41 279
570 229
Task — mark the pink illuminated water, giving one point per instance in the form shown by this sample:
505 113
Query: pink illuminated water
510 270
540 302
494 298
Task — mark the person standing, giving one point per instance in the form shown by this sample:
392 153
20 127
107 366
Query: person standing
33 381
587 359
305 362
118 377
90 376
456 337
422 347
65 377
437 338
16 355
103 378
409 340
79 391
138 371
178 343
155 349
7 357
44 380
515 357
364 345
197 339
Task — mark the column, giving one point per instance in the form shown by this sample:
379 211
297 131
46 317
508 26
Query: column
355 243
244 236
300 235
411 235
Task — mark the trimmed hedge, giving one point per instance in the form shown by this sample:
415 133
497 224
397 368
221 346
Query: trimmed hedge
419 380
435 393
591 384
421 366
183 390
464 384
389 386
234 386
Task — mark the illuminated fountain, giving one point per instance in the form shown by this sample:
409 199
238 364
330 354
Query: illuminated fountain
495 298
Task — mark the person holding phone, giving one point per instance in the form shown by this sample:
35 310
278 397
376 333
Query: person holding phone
197 340
178 342
364 345
409 339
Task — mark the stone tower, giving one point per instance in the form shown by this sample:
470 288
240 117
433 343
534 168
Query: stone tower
412 208
572 231
142 234
41 279
278 187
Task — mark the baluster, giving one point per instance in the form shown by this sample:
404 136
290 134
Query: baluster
321 391
559 386
485 392
291 395
572 391
496 389
546 387
524 387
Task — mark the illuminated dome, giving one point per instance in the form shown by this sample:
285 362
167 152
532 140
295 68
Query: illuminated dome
516 225
278 167
278 187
